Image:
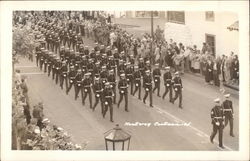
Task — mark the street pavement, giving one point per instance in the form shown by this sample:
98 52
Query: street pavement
88 127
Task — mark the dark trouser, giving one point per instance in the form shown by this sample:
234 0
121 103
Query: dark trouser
90 96
109 104
45 67
229 117
41 64
157 86
138 86
37 60
62 77
49 69
168 88
97 99
77 90
57 76
132 86
114 91
53 73
178 93
70 86
150 95
215 129
56 48
125 94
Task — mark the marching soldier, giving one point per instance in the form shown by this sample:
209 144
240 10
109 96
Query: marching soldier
122 86
157 79
116 56
81 49
137 81
90 68
38 54
46 57
177 86
50 63
62 53
56 43
42 57
103 75
71 77
78 41
57 68
64 75
112 82
84 63
67 55
112 64
147 84
107 101
121 67
129 76
78 84
77 60
141 65
217 122
97 70
98 90
227 106
87 88
167 77
147 66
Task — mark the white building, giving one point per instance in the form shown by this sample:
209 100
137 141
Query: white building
210 27
194 28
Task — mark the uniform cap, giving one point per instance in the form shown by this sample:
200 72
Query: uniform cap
136 67
176 73
147 71
72 67
167 67
116 49
97 78
62 47
227 95
141 59
108 47
102 45
79 70
217 100
157 64
107 83
96 43
103 67
122 52
111 70
128 63
88 74
122 75
148 61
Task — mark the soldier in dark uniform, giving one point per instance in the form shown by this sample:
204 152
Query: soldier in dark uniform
67 55
42 58
147 84
86 52
78 84
108 51
122 86
227 106
57 69
96 47
50 63
46 57
87 84
71 77
61 35
71 38
92 54
66 39
77 60
103 75
141 66
116 56
84 62
177 86
147 66
56 43
62 53
129 76
121 67
78 41
98 91
137 81
112 64
112 82
102 49
217 122
107 101
64 75
97 70
90 68
167 77
157 79
38 54
81 49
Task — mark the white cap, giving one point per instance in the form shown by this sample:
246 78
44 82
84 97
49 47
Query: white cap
217 100
227 95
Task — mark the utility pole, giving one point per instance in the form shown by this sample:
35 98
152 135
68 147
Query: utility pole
152 35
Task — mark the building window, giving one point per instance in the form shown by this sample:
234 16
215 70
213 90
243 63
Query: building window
209 16
146 14
210 40
176 17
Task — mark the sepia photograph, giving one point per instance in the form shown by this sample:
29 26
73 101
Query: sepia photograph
125 80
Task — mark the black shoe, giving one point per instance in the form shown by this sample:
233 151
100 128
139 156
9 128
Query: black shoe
151 106
232 135
118 105
172 101
83 103
127 110
222 147
163 98
111 120
180 106
144 102
211 140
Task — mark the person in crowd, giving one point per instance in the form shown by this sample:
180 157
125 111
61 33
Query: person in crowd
209 71
177 86
235 69
122 86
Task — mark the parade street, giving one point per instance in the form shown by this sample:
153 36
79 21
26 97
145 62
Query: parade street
186 129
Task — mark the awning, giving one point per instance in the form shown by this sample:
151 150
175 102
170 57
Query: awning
234 26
